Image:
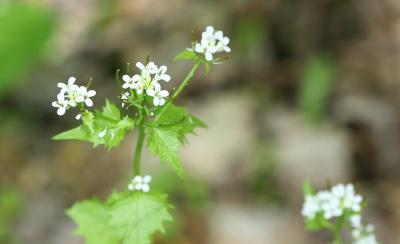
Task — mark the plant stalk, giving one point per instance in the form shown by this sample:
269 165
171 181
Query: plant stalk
178 91
138 151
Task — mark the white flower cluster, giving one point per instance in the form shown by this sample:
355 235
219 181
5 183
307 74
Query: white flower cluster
362 234
140 183
71 95
211 43
148 81
334 203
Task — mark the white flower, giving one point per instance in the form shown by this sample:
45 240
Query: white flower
61 104
69 86
78 116
355 221
158 95
212 42
84 96
310 207
130 82
148 81
332 203
70 95
161 74
102 133
124 98
147 69
140 183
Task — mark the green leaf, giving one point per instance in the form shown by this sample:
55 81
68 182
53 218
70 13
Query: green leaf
79 133
186 54
164 143
93 218
178 118
307 189
316 86
88 120
106 128
111 111
137 216
25 30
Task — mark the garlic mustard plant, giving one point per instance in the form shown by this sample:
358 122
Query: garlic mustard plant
336 209
134 214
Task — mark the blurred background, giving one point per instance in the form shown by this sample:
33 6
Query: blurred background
311 91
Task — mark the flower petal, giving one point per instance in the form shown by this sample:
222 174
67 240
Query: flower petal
61 111
209 56
91 93
140 65
166 77
89 102
126 78
164 93
156 101
150 92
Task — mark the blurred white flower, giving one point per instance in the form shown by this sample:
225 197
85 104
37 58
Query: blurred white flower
102 133
61 104
158 95
161 74
332 203
212 42
148 80
84 95
70 95
140 183
124 98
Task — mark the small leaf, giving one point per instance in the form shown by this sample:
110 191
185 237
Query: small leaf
307 189
186 54
93 219
136 216
164 143
111 111
78 133
88 120
182 121
106 128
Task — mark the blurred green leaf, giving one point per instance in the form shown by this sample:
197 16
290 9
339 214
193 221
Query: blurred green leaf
186 54
316 86
107 128
24 31
11 203
137 216
93 219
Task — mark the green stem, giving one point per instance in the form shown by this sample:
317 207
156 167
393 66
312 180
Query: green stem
138 150
337 235
178 91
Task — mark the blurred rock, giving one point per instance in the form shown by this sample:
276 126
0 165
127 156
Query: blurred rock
224 147
321 154
237 224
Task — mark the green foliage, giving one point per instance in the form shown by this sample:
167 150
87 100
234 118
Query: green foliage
128 217
186 55
92 217
24 32
164 143
11 203
307 189
178 118
105 127
137 216
168 133
316 86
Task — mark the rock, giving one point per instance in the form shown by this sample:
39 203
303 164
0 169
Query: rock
227 143
320 154
235 224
